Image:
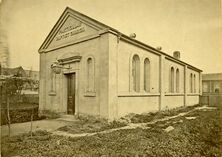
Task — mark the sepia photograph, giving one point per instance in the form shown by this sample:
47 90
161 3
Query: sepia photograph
120 78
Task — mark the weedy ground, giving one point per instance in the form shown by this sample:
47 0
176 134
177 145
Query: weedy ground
90 124
201 136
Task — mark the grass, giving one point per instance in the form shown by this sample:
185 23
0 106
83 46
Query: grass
197 137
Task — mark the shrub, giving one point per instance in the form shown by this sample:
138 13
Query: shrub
20 115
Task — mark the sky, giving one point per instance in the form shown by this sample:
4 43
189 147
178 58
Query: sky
193 27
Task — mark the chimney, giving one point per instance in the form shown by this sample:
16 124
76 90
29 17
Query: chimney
176 54
159 48
132 35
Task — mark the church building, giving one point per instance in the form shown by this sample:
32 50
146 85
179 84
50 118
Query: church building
87 67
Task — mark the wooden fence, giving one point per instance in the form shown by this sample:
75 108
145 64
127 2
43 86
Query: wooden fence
211 99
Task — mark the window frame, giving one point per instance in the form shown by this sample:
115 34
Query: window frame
191 83
146 75
90 75
194 83
135 72
177 80
171 82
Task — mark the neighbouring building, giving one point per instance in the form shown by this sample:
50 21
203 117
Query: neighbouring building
212 89
18 71
34 75
212 83
87 67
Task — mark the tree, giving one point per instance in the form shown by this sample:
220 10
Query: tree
11 87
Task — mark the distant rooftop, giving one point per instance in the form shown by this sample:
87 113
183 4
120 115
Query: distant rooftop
13 71
20 71
212 76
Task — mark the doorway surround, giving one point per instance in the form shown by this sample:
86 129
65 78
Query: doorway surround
70 61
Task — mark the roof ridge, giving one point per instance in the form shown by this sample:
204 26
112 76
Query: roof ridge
114 30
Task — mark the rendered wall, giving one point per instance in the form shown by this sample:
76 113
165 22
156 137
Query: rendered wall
125 54
176 98
85 103
138 104
192 100
189 71
167 67
112 52
42 83
129 101
112 75
173 101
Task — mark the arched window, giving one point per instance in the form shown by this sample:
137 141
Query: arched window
136 73
90 75
191 83
177 81
194 82
172 80
53 81
147 75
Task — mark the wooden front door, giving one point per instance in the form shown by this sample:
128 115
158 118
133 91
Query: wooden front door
71 93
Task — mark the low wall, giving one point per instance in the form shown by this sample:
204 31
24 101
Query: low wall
211 100
204 100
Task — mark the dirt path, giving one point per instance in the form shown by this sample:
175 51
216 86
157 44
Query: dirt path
131 125
20 128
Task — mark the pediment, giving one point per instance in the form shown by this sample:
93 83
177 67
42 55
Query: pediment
72 26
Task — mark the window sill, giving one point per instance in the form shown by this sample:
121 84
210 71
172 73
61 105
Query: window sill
193 94
174 94
90 94
52 93
135 94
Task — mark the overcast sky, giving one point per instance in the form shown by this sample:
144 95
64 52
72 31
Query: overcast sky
193 27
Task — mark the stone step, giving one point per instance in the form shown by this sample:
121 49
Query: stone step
70 118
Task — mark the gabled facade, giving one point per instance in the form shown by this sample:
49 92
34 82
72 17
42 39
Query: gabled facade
109 74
